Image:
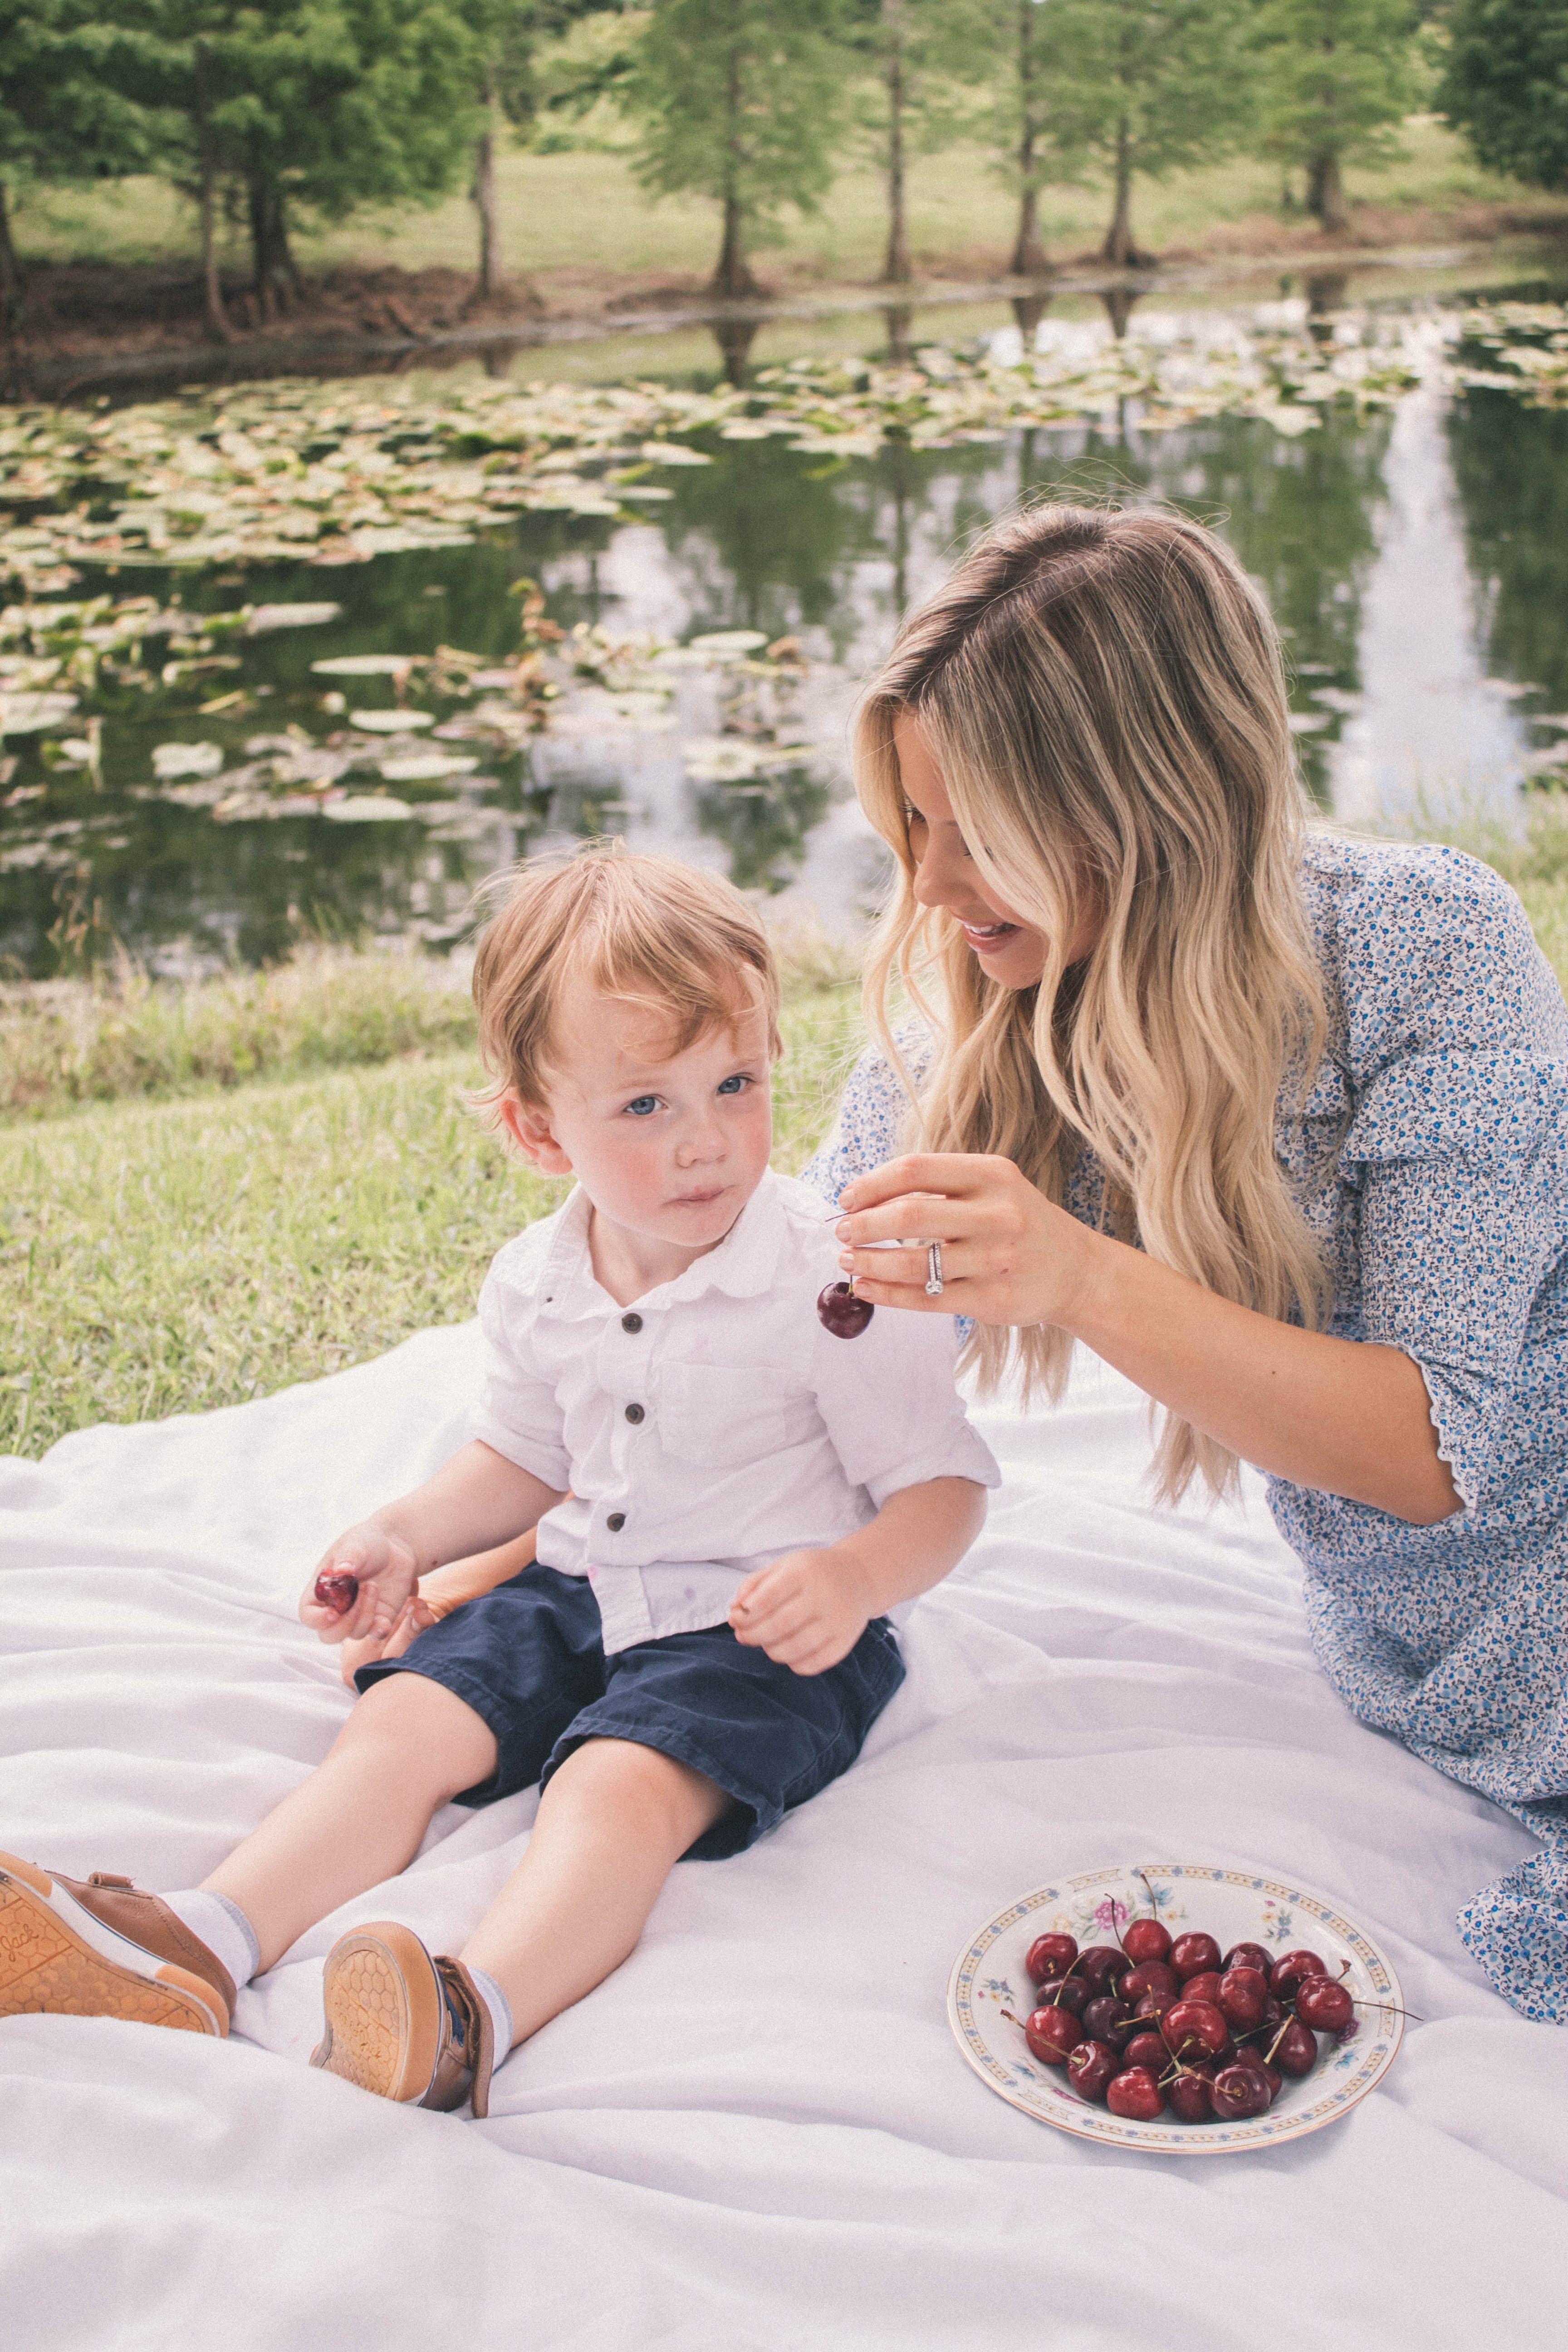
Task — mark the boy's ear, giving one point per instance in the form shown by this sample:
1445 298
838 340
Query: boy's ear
527 1125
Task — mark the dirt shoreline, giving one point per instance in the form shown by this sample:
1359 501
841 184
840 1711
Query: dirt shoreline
93 325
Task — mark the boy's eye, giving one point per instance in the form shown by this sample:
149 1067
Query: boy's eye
734 1085
643 1107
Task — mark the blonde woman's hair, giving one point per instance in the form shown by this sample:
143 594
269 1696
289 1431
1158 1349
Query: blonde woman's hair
646 930
1104 695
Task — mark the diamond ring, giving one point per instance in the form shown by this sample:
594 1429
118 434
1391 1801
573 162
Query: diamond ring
933 1270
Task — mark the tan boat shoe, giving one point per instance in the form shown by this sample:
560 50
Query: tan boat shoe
100 1947
404 2024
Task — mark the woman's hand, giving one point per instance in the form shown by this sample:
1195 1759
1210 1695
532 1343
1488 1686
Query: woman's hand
1008 1254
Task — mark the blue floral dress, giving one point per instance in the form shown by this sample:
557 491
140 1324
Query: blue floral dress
1431 1158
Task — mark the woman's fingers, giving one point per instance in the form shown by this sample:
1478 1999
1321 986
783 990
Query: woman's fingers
948 1173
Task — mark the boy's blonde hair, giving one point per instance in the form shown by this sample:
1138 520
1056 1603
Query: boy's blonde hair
646 930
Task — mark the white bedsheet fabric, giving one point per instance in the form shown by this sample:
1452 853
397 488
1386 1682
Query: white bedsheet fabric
760 2133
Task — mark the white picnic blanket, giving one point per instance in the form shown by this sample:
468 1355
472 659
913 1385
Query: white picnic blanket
760 2133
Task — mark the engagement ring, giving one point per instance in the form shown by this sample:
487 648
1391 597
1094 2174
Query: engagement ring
934 1277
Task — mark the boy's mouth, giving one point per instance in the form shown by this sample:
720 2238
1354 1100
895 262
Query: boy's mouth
701 1199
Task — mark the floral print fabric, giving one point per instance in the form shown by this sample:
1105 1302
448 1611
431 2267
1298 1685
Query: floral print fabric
1431 1158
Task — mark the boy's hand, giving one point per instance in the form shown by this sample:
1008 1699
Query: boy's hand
807 1611
415 1617
388 1571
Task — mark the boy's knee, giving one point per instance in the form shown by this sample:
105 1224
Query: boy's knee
422 1722
673 1794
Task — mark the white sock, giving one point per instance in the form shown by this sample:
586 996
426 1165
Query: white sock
222 1927
500 2008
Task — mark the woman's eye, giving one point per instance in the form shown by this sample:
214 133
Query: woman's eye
644 1107
735 1086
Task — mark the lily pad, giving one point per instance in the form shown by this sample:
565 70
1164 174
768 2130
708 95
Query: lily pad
369 808
720 642
363 665
31 714
422 767
390 723
291 617
171 760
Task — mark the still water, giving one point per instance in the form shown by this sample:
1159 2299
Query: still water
1417 563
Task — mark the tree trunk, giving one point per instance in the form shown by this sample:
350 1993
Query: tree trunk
218 325
732 279
259 218
1028 253
1326 194
13 281
896 270
282 252
898 319
1117 246
488 285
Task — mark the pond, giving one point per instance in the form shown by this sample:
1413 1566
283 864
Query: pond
214 758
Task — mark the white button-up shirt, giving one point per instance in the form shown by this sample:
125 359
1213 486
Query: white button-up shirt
716 1423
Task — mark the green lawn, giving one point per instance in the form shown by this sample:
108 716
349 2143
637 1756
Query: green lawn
581 213
170 1257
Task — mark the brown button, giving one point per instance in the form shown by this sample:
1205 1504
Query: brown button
615 1522
633 1415
631 1322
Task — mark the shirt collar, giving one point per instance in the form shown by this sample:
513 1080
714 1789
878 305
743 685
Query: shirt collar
742 1266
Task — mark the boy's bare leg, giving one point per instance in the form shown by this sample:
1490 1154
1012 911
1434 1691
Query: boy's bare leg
614 1822
408 1748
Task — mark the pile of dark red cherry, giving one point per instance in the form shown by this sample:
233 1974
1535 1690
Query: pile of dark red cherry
1153 2022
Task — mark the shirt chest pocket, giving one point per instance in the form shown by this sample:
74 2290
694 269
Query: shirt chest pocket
720 1415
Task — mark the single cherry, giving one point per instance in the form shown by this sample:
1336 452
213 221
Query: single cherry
1295 2050
1146 2049
1293 1969
1146 1940
1050 1957
1195 1956
1051 2033
1247 1955
1324 2005
1149 1976
1068 1992
1238 2092
1154 2005
1242 1994
1189 2095
1105 2019
336 1589
842 1313
1091 2067
1273 2017
1246 2055
1204 1988
1195 2029
1099 1964
1135 2095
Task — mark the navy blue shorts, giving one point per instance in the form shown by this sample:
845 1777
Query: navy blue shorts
528 1659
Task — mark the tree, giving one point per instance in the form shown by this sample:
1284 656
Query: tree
65 113
920 52
1504 86
1338 76
1158 84
1033 116
741 101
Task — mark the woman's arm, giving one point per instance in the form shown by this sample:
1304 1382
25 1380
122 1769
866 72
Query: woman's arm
1344 1416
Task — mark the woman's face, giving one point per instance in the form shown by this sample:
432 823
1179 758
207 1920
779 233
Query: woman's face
1006 950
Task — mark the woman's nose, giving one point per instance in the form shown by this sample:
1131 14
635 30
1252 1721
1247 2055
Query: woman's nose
942 875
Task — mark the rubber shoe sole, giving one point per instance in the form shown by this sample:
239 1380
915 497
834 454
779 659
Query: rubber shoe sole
57 1960
384 2009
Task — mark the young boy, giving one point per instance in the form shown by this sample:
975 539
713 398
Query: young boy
728 1501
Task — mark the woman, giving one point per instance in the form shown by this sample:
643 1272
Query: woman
1275 1124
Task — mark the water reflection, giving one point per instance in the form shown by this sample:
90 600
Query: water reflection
1419 565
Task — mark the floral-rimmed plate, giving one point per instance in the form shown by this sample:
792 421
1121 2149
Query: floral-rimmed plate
1235 1907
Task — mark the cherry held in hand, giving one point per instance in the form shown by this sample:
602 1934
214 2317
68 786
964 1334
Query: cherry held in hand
842 1313
336 1589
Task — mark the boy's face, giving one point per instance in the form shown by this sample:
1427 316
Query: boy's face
669 1147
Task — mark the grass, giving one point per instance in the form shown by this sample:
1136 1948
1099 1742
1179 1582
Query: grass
172 1258
581 213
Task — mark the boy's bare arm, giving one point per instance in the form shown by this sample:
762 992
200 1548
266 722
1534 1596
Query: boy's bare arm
808 1608
475 1501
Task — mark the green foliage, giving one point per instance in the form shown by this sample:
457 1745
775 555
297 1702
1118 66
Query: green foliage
1505 85
67 111
743 101
1338 76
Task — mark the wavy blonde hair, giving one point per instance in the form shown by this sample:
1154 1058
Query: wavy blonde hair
1104 696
